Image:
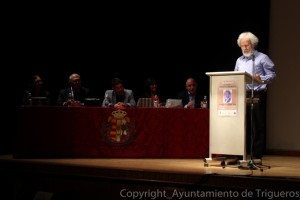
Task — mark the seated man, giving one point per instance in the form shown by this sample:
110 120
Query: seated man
119 97
191 98
75 94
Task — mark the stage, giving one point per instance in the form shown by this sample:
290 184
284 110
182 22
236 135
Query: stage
132 178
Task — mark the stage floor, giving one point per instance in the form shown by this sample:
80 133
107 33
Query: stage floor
283 174
280 166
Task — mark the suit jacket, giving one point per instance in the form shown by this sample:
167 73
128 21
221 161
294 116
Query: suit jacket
128 98
184 96
78 96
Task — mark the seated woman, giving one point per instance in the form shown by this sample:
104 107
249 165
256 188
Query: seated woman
36 94
151 91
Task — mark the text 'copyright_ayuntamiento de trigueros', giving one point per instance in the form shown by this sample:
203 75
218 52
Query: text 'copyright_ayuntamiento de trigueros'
185 194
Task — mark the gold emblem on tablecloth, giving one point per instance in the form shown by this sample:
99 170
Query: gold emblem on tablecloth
118 127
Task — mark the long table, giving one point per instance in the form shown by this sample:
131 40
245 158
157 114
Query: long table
96 132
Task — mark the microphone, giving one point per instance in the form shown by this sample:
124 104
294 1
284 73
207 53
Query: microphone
72 93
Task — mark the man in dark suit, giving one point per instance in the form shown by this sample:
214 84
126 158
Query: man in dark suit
190 97
73 95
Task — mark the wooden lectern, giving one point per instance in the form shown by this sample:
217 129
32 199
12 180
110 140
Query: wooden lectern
227 113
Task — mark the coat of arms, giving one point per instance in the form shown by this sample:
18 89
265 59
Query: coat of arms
118 129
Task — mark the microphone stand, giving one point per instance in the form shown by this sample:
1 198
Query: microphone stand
251 164
71 97
72 93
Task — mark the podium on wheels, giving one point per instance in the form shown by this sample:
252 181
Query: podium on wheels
227 113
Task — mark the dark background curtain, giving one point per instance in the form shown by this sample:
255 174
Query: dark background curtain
166 40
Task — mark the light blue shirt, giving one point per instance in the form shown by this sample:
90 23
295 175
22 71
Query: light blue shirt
111 96
263 66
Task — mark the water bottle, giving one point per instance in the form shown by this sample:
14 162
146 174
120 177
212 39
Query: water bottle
155 102
29 99
106 101
204 102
